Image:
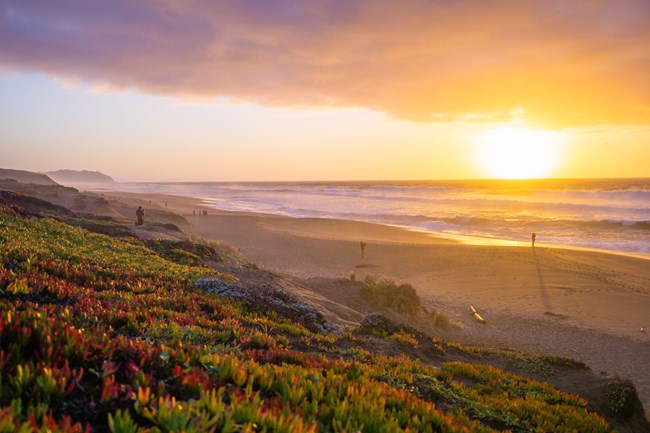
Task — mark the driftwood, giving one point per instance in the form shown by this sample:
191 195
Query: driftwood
476 315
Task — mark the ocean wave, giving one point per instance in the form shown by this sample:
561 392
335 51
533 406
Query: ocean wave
539 222
596 213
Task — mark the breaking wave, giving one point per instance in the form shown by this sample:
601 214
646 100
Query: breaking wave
599 213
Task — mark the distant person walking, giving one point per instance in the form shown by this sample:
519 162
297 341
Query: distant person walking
362 244
140 215
532 238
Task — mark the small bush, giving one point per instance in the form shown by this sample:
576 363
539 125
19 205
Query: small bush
621 401
442 321
403 300
385 293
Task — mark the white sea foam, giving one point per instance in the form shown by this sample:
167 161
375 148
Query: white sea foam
605 214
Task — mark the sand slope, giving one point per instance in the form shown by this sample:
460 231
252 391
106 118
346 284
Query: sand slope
585 305
580 304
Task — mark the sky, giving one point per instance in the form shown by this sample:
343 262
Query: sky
326 90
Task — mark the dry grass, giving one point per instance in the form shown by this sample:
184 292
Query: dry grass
403 301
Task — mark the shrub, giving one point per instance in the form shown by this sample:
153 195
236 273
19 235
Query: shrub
403 300
385 293
621 400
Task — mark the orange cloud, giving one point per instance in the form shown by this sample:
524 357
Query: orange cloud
566 63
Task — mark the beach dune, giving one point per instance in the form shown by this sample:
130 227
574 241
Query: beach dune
587 289
582 304
586 305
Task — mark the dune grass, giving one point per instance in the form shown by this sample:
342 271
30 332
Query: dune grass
403 300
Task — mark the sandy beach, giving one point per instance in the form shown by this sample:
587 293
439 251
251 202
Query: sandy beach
582 304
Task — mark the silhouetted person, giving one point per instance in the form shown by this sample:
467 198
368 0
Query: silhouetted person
532 238
362 244
140 214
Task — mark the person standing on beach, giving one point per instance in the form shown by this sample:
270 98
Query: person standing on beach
140 214
362 244
532 238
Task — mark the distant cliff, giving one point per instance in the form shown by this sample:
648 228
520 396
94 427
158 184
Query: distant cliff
83 176
23 176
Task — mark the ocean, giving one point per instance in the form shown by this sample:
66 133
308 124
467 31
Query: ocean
609 214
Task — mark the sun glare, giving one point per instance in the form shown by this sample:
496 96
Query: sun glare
518 153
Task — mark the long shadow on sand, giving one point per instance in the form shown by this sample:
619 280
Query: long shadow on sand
542 286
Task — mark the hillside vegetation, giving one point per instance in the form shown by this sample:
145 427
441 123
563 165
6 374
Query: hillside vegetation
105 334
27 177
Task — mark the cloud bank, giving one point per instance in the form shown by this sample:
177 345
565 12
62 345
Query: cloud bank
565 63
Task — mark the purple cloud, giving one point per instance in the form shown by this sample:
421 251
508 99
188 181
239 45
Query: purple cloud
564 62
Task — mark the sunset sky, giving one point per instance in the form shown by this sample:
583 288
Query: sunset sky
326 90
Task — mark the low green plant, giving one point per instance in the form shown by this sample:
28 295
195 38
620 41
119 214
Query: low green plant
404 337
560 361
122 423
620 401
532 364
474 351
523 404
105 332
368 330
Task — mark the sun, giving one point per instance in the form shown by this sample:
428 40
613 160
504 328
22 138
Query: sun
510 152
